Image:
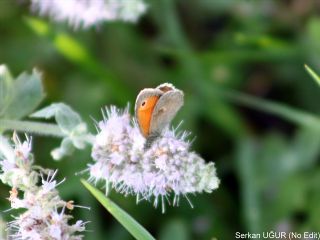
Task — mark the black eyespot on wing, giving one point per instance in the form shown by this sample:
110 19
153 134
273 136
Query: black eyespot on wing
143 103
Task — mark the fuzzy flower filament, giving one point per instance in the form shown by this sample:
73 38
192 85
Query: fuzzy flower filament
34 189
168 169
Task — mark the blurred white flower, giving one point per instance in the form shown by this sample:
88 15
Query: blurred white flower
16 171
87 13
167 169
34 190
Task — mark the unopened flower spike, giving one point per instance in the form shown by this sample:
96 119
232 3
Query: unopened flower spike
34 190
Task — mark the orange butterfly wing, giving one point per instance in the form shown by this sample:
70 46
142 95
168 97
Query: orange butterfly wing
144 114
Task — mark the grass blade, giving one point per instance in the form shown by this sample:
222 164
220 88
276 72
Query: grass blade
291 114
246 156
312 74
124 218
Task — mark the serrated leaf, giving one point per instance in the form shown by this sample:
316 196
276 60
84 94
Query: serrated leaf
65 116
70 124
25 95
313 74
136 230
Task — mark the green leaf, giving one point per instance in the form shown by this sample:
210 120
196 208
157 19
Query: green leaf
66 149
20 96
313 74
124 218
70 124
65 116
6 82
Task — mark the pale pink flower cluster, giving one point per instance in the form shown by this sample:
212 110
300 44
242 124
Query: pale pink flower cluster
34 189
165 171
87 13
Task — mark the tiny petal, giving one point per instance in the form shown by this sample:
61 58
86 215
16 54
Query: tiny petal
55 231
161 162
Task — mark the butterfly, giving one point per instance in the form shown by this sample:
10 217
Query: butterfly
155 108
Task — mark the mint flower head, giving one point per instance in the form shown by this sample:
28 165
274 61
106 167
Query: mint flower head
34 190
164 172
87 13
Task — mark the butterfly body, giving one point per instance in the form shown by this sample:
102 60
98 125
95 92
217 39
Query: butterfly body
155 108
144 114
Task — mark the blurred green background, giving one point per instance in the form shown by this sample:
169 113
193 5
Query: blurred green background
268 165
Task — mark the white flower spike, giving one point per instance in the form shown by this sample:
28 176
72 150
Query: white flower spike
167 169
44 216
87 13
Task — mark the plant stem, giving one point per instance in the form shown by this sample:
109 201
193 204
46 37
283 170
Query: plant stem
31 127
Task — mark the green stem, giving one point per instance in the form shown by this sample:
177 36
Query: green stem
31 127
